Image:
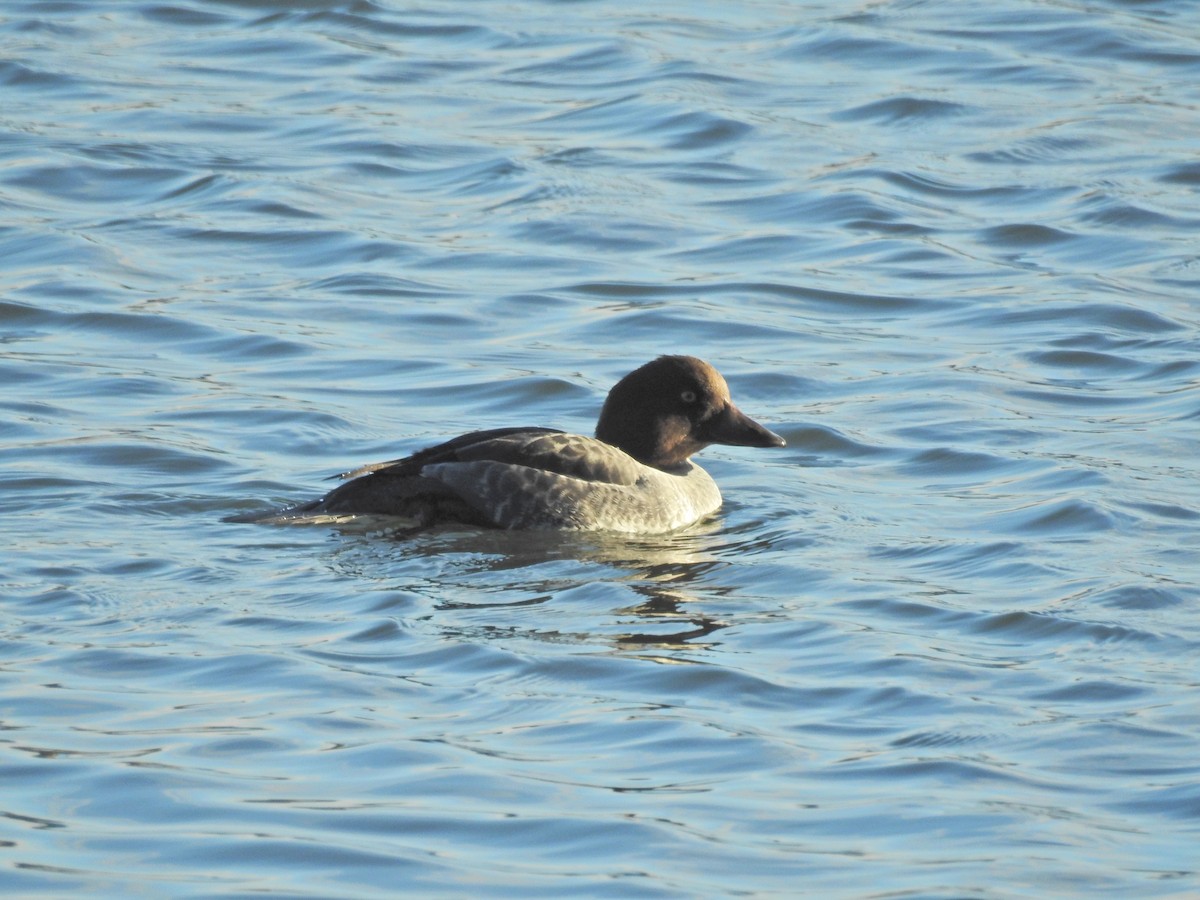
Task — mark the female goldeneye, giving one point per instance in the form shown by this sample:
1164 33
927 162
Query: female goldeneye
634 476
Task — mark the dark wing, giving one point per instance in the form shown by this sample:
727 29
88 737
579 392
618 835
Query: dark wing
544 449
446 452
405 487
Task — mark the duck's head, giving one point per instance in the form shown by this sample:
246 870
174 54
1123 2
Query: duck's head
663 412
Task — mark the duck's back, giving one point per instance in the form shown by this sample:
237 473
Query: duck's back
521 478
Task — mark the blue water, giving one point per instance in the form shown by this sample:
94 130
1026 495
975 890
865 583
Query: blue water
943 645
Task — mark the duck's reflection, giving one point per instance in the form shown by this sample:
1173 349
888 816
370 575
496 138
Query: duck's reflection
668 607
488 579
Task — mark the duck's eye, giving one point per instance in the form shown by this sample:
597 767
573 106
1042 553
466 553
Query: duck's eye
688 396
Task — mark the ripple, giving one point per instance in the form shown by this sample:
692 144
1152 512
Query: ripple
1056 517
17 75
184 15
1084 361
691 131
1025 625
873 52
841 208
825 441
90 184
1035 150
1107 317
926 184
1092 692
1025 235
939 739
901 109
1182 173
24 317
604 58
1140 597
948 462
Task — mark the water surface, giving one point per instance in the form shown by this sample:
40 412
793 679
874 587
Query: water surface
942 645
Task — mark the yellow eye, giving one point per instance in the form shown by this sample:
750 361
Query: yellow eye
688 396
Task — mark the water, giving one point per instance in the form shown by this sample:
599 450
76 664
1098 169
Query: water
942 645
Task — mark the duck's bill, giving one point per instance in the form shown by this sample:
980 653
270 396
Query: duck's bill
732 426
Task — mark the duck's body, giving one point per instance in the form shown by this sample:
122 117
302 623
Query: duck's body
635 476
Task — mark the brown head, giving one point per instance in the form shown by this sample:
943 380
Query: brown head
673 407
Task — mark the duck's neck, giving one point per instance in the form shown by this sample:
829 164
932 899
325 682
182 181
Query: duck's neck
659 445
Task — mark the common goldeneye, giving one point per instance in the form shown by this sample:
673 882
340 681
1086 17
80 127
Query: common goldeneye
634 476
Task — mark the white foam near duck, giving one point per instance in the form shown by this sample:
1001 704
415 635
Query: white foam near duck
635 476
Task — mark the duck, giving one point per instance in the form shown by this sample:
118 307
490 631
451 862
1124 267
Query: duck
635 476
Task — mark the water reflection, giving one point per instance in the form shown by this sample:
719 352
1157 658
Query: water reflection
667 606
654 587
